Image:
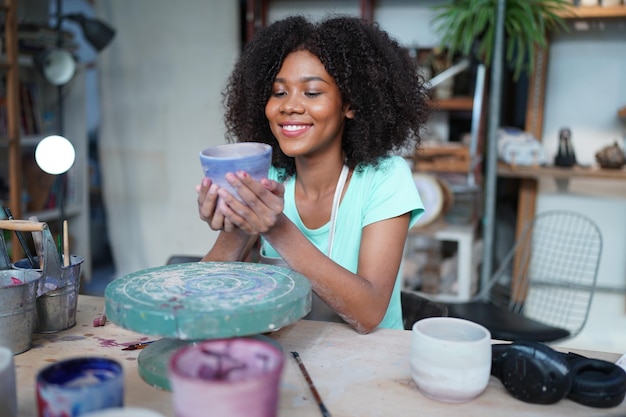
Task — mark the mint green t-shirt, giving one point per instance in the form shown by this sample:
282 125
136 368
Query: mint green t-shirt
372 195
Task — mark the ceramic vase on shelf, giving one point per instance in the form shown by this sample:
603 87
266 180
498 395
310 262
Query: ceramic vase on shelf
565 156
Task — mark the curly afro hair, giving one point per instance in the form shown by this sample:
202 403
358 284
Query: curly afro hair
375 75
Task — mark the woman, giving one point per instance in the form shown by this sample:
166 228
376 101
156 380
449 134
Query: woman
335 100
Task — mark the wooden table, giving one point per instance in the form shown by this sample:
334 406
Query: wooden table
356 375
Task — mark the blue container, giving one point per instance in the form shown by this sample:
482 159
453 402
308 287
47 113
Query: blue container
73 387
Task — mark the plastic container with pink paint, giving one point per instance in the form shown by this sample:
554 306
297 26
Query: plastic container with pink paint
237 377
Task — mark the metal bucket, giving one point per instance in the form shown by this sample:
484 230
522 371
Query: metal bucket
18 292
57 295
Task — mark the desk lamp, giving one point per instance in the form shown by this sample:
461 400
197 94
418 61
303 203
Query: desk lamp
55 155
58 65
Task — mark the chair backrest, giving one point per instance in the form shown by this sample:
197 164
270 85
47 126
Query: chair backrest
180 259
550 273
416 307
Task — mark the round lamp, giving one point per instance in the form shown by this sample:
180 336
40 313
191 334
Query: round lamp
55 155
57 65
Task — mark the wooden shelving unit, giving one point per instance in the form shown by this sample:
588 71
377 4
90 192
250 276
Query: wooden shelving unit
17 144
596 12
454 103
538 172
12 102
529 176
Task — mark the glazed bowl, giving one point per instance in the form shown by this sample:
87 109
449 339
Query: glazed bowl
251 157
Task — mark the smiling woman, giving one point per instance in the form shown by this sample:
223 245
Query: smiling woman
335 100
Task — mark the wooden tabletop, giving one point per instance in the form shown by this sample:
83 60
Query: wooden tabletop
356 375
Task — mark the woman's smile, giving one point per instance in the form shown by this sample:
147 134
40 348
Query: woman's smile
293 130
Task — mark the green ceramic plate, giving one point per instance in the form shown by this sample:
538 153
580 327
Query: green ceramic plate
208 300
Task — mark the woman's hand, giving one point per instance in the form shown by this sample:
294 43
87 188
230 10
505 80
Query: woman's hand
207 204
262 203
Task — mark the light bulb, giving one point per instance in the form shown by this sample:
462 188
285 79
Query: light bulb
55 154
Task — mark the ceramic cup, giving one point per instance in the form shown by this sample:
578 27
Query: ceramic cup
73 387
450 358
8 391
237 377
252 157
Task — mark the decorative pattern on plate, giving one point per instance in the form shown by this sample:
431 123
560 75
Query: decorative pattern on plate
207 300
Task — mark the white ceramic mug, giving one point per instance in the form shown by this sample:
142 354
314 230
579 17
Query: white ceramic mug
8 391
450 358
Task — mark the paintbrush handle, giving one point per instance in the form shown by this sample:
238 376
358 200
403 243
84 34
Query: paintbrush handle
20 237
22 225
307 377
66 245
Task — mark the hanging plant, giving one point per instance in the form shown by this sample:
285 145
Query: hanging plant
469 26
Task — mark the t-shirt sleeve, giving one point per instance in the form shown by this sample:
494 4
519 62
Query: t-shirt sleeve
393 193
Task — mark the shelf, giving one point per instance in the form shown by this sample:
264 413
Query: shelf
52 215
25 141
464 235
505 170
595 12
23 61
454 103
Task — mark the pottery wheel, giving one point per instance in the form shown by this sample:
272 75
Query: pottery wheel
208 300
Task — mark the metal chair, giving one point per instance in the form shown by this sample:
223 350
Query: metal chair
543 289
415 307
180 259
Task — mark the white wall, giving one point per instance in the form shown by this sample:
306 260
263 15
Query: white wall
161 80
585 88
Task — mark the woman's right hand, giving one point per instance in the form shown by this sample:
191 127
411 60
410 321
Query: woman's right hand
207 205
262 204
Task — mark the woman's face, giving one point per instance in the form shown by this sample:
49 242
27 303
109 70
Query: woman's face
305 110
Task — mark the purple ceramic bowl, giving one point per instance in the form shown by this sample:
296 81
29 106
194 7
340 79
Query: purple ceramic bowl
252 157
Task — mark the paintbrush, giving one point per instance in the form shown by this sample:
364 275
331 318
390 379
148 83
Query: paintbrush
137 346
20 237
66 245
316 395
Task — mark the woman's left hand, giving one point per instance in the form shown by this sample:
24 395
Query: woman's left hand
263 200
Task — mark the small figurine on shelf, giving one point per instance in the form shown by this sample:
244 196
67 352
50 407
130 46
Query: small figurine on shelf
611 157
565 156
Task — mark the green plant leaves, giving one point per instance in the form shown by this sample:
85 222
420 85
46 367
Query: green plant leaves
467 24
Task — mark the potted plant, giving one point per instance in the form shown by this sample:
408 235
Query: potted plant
469 26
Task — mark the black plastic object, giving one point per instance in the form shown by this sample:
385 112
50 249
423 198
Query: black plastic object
533 372
596 383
